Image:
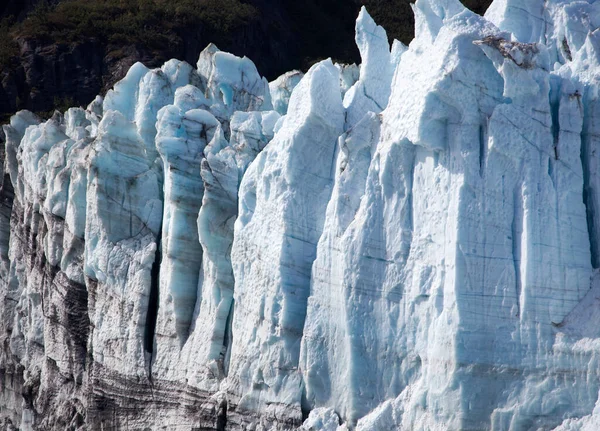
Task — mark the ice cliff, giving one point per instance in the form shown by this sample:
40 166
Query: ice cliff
412 244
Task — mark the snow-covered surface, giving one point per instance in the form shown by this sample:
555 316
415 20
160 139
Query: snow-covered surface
411 244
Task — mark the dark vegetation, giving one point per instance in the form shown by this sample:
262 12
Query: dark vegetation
155 24
55 52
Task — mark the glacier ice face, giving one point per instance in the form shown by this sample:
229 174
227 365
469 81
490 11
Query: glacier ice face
322 419
123 96
123 220
181 141
202 176
349 74
372 90
232 84
387 271
221 172
298 163
14 135
281 90
327 329
562 26
412 243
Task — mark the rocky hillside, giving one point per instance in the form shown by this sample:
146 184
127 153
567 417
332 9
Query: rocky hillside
61 53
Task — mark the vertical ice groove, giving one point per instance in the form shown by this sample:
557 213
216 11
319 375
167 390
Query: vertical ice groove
221 172
181 141
227 340
586 59
590 190
152 313
554 110
482 149
517 236
583 60
202 176
123 218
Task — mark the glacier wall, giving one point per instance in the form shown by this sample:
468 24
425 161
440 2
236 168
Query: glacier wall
411 244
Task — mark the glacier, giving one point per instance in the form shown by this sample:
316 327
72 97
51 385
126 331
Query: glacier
412 243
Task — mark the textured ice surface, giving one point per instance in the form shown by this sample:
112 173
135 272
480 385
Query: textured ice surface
297 163
372 90
123 220
232 84
403 295
281 90
411 244
182 137
349 74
